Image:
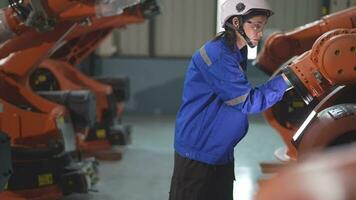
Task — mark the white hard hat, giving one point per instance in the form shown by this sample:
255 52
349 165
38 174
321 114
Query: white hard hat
241 7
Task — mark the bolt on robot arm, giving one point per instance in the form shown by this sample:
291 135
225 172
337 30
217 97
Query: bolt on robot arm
280 47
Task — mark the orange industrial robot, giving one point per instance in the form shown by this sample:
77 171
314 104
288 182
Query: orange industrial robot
59 73
327 72
288 115
41 132
79 44
316 74
323 176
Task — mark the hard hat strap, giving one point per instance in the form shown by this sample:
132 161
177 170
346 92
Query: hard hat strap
241 31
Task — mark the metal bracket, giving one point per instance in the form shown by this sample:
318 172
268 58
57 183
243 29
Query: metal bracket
39 17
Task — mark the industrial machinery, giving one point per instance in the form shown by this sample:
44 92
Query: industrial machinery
325 74
324 78
41 132
316 75
317 116
288 115
327 176
60 73
280 47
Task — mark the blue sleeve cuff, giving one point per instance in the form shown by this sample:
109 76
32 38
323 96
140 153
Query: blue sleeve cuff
280 82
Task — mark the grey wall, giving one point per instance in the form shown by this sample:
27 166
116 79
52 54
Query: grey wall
133 40
336 5
156 84
3 4
183 26
292 13
178 30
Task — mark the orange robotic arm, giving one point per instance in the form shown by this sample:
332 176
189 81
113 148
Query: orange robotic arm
44 14
329 175
30 38
40 14
80 43
331 62
280 47
33 16
85 39
22 60
19 64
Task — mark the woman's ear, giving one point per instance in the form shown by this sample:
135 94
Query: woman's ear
236 22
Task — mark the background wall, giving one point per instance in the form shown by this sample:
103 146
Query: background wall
156 84
177 32
3 3
185 25
293 13
336 5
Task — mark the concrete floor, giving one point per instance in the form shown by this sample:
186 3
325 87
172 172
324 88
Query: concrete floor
144 172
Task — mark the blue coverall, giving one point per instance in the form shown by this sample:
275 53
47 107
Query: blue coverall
217 98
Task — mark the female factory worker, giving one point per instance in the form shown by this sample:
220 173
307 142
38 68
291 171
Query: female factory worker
217 99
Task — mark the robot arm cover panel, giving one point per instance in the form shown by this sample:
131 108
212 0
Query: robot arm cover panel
280 47
331 62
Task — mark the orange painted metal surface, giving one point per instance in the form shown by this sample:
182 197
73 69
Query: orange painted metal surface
61 11
30 48
81 43
10 196
70 78
43 193
31 121
331 61
280 47
328 175
328 73
85 39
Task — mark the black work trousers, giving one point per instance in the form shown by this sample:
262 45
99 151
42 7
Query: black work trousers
194 180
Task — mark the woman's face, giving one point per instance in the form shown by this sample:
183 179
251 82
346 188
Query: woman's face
254 28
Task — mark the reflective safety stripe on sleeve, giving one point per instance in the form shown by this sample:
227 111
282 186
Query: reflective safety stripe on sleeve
205 56
242 70
237 100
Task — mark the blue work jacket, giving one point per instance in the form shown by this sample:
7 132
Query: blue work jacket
217 98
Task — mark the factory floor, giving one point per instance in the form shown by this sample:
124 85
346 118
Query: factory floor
145 170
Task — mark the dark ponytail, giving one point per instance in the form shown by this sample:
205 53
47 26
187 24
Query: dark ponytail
228 35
